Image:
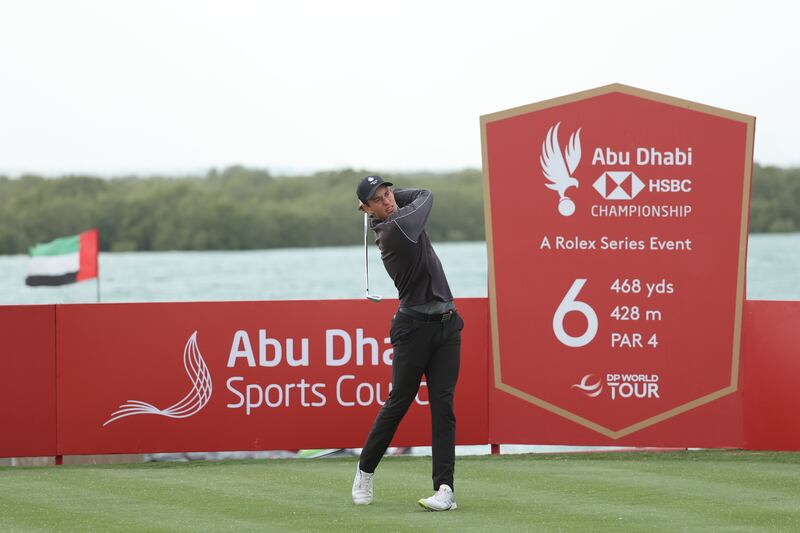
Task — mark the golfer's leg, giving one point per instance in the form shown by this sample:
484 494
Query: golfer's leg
442 375
407 367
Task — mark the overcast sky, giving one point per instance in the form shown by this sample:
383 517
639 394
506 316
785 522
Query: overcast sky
110 87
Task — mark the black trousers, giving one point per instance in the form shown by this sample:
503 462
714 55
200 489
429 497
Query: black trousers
421 348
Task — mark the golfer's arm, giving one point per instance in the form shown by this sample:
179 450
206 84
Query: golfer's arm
414 208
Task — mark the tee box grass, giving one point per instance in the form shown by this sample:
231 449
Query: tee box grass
635 491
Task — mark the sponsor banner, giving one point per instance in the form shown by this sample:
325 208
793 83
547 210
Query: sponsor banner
771 374
244 376
617 224
27 380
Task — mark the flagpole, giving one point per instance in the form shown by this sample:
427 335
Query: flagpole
97 261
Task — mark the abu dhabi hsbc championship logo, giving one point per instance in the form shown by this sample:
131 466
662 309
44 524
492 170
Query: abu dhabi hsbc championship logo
559 167
197 397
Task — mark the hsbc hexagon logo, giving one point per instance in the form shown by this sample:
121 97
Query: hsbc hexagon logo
618 185
590 278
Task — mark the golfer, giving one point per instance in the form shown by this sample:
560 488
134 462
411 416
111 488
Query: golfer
425 335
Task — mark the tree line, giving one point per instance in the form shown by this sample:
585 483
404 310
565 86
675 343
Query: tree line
241 208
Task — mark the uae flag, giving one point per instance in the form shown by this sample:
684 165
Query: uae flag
64 260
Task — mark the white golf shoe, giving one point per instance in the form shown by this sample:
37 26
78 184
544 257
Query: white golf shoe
443 500
362 487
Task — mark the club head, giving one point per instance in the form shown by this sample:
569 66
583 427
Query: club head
374 297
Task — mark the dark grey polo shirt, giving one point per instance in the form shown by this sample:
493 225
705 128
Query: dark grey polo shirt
408 255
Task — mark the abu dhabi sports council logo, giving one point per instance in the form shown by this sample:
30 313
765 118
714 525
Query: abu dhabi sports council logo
197 397
558 168
618 185
592 390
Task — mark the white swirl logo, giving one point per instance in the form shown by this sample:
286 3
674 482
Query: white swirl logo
192 403
592 390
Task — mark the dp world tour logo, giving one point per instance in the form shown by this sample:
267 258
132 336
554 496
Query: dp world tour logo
558 168
192 403
592 390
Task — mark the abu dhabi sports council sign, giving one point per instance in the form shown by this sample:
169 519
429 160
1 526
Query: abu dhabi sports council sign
242 376
616 227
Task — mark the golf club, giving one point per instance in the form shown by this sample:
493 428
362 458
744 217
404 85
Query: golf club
371 297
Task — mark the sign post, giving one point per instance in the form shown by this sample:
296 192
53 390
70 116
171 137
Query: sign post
617 232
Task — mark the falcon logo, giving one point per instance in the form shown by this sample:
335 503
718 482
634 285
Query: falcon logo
618 185
558 168
592 390
197 397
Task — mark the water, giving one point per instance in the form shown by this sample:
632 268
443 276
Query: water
773 273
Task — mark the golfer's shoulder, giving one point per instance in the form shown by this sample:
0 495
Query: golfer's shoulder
387 226
392 233
412 198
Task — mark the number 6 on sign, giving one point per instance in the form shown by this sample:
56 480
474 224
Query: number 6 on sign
569 304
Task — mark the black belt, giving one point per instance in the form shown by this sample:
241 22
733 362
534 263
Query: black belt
416 315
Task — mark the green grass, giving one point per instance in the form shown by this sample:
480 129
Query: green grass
708 490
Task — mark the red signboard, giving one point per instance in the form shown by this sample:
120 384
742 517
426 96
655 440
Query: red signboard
244 376
617 228
192 377
771 374
27 380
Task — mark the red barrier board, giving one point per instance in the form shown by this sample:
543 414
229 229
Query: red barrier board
140 355
771 374
617 231
27 381
244 376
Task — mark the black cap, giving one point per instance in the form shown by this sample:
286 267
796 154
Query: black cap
367 187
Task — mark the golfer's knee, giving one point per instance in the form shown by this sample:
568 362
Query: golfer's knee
400 400
440 397
442 408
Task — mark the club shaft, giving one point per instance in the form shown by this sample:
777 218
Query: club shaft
366 258
371 297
